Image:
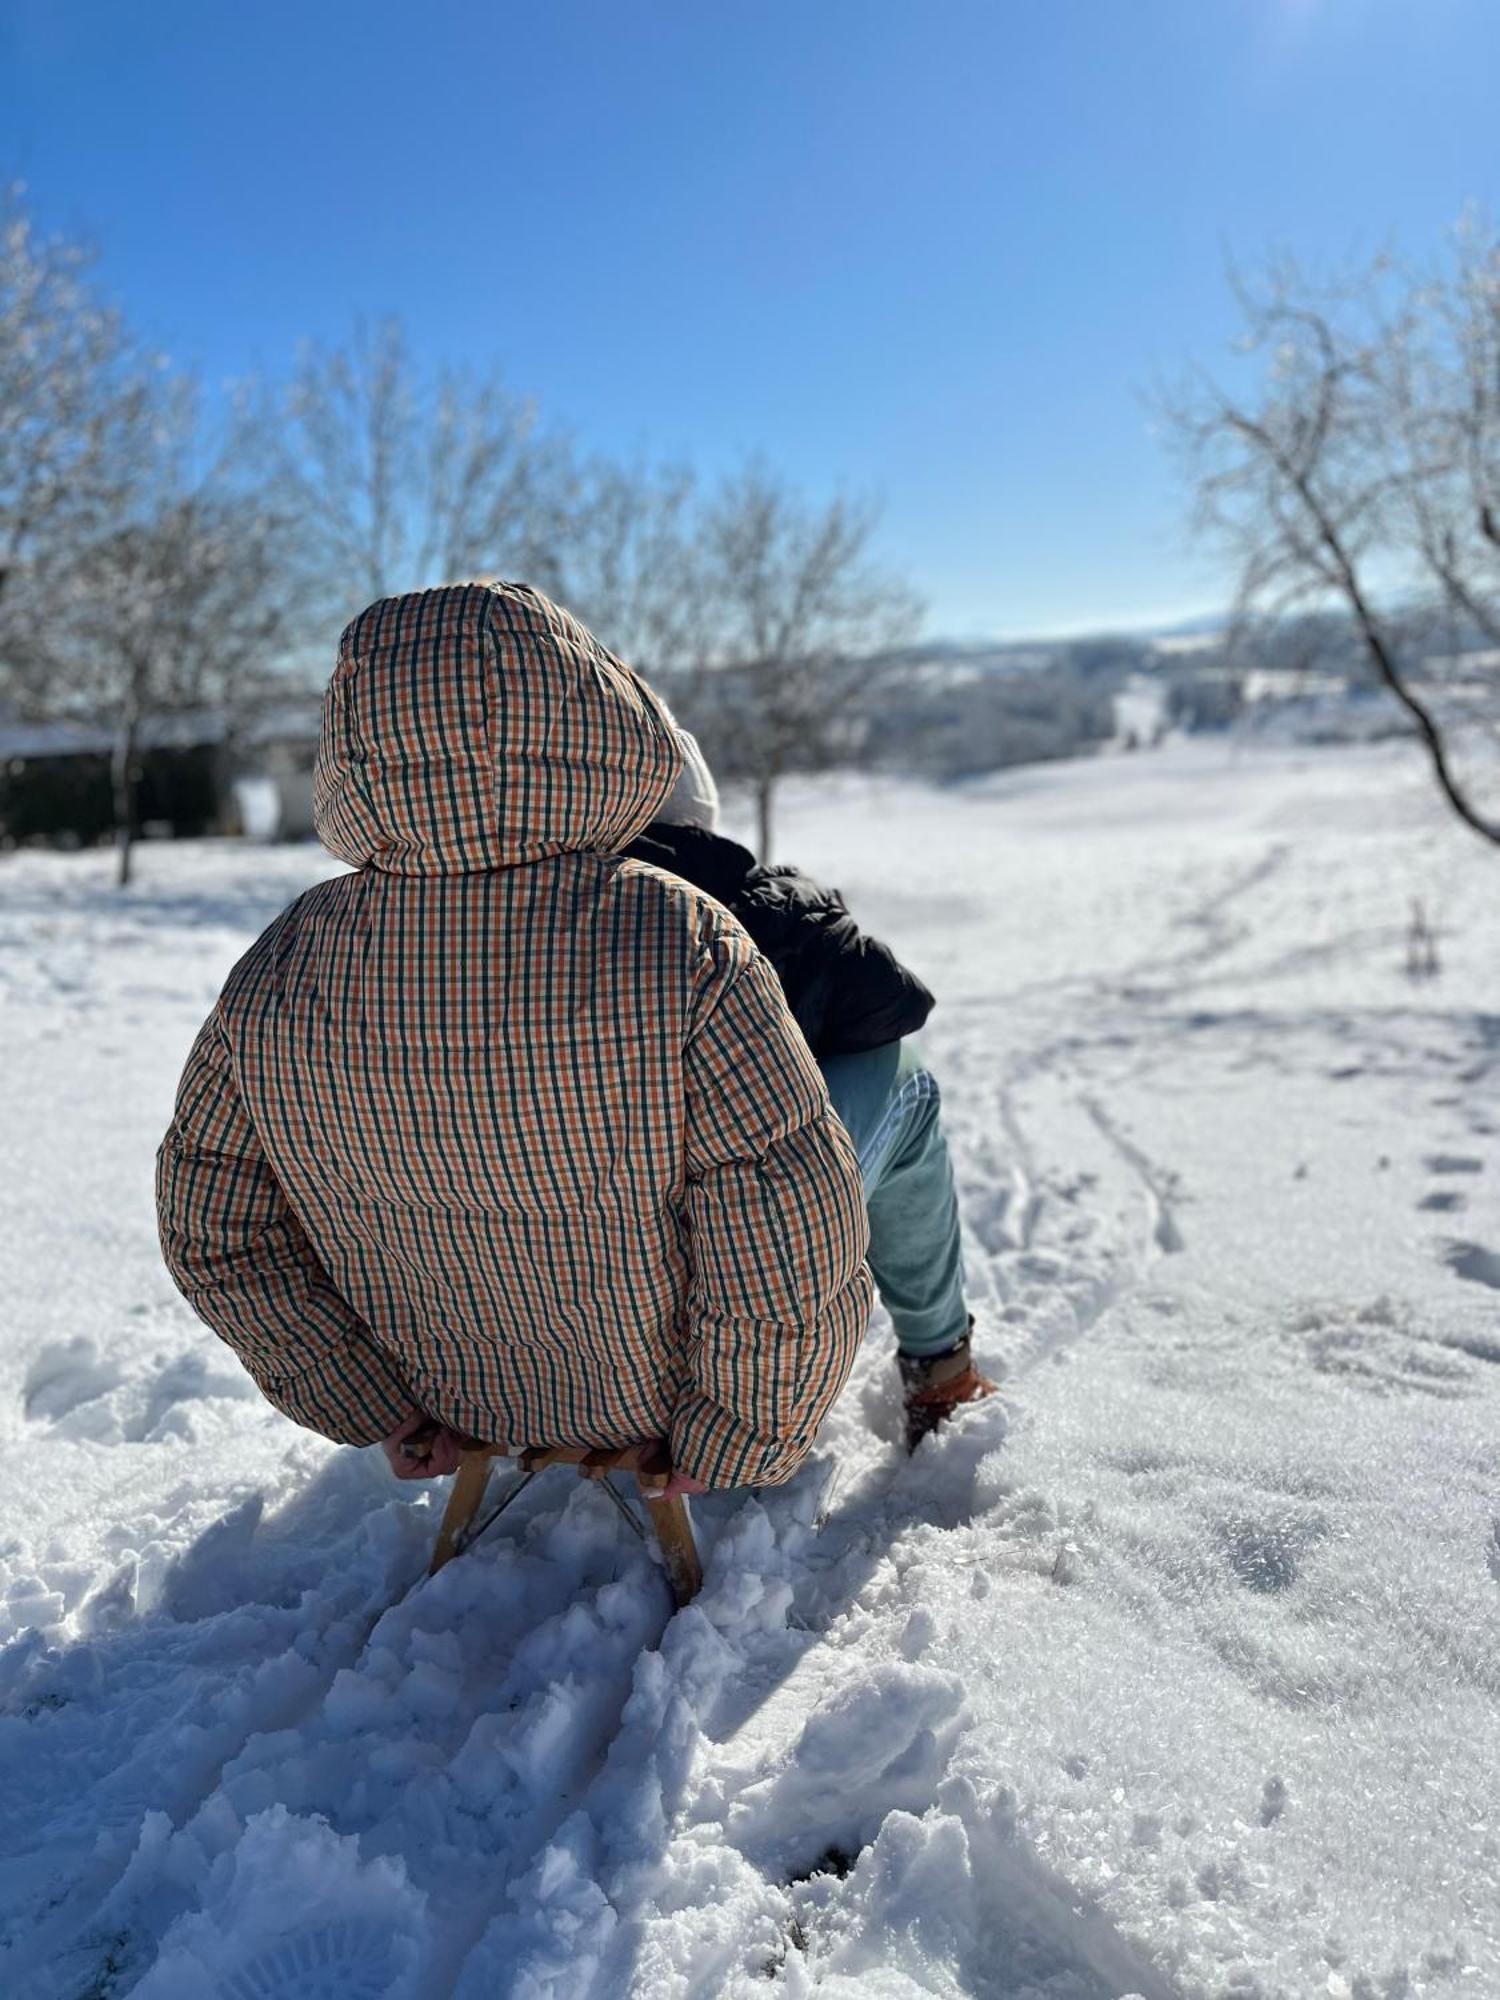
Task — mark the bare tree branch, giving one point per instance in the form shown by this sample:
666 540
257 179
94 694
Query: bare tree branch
77 400
1367 451
799 607
400 478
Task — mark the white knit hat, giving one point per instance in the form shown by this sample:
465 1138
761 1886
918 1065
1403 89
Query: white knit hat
694 800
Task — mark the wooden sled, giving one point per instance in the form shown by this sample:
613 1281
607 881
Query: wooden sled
648 1461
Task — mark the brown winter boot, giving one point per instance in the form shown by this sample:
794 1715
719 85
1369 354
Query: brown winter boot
933 1386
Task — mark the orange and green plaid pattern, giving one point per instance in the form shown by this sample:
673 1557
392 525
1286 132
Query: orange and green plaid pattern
501 1126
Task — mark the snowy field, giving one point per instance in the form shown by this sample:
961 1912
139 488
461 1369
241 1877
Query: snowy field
1173 1672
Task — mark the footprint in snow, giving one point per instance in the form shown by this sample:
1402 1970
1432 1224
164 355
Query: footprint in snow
988 1215
864 1751
65 1375
1266 1555
1444 1200
83 1394
1474 1262
339 1961
1453 1163
1383 1348
1479 1346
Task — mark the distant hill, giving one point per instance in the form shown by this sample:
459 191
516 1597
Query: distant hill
1046 646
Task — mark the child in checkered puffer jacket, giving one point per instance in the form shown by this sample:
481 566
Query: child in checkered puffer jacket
502 1135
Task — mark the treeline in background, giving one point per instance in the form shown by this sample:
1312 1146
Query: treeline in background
175 569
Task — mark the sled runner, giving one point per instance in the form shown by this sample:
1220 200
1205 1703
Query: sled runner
648 1461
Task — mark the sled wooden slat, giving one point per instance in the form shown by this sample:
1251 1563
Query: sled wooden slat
469 1483
596 1461
647 1460
674 1532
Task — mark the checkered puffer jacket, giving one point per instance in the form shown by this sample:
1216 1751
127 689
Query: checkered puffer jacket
502 1127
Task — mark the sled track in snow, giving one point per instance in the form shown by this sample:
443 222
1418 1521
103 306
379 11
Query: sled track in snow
1159 1185
1215 921
1064 1214
75 1939
1062 1222
1067 1215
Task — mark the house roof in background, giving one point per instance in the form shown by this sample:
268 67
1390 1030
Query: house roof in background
292 721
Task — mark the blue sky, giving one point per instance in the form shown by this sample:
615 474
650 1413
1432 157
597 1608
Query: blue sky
928 250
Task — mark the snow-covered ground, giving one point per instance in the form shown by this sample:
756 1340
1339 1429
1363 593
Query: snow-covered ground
1172 1673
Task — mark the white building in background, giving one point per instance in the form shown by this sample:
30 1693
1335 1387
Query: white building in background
275 752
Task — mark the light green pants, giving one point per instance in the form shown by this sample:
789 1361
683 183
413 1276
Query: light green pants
889 1103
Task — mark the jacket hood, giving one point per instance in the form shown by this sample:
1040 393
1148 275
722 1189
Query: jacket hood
480 726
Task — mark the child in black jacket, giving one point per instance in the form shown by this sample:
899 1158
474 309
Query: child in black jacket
854 1002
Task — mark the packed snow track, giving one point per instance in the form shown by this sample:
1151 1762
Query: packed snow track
1172 1672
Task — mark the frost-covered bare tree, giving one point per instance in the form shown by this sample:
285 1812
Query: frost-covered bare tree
800 609
188 598
399 476
77 401
1361 467
631 561
1437 377
192 611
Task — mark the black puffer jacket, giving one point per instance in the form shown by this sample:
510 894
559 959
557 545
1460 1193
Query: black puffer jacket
848 991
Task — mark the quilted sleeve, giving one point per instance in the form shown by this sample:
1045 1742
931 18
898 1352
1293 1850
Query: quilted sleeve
780 1293
239 1256
848 990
